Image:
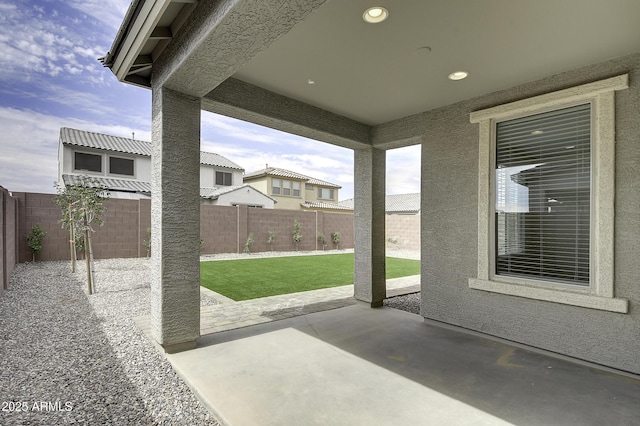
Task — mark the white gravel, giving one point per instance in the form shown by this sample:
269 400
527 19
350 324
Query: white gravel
69 358
66 358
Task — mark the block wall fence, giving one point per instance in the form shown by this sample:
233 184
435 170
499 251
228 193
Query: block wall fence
223 229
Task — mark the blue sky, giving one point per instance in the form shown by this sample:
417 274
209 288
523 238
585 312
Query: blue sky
50 78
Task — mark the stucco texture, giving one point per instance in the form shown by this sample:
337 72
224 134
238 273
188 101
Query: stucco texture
449 230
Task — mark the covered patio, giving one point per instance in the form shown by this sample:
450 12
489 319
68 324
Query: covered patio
443 74
358 366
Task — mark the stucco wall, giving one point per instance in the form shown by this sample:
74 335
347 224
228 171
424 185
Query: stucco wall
8 251
449 232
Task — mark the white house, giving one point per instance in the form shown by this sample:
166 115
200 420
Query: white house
123 166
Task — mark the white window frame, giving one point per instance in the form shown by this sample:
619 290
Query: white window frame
600 292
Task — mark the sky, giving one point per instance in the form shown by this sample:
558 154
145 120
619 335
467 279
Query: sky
50 78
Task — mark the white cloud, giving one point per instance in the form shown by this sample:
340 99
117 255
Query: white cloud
34 40
403 170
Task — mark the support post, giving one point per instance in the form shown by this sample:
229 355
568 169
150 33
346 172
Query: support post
369 220
175 220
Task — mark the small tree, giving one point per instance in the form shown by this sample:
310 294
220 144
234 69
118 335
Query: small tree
322 240
297 236
34 240
248 244
335 237
271 238
82 206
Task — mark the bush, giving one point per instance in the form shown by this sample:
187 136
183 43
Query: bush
34 240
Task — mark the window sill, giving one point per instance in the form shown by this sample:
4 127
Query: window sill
552 295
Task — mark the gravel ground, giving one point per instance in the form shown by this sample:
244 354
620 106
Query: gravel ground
69 358
409 303
66 358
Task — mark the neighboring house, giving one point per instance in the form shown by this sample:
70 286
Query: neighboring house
295 191
401 204
123 166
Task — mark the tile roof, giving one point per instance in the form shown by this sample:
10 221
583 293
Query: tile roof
396 203
214 193
274 171
100 141
83 138
403 203
312 205
213 159
141 186
109 183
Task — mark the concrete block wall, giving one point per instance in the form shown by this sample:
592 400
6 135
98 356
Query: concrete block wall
223 229
403 232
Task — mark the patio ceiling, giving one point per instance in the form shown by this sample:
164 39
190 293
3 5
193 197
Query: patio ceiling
376 73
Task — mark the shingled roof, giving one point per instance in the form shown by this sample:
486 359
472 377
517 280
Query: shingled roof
101 141
284 173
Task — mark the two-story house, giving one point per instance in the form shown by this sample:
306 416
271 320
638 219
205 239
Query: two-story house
295 191
123 166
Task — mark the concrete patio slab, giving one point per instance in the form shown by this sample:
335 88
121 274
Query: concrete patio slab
360 366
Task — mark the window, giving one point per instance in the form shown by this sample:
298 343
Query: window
325 193
275 186
542 196
121 166
545 197
308 187
88 162
224 178
285 187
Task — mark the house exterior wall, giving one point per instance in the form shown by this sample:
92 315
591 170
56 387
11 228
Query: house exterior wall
284 202
8 237
449 232
248 196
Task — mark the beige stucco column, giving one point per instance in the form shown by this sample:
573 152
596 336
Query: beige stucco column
369 211
175 220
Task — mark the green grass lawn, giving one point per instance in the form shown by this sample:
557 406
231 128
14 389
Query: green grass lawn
245 279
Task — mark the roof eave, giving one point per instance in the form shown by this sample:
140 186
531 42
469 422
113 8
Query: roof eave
139 21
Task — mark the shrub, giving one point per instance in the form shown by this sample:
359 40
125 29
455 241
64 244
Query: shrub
335 237
297 236
34 240
248 244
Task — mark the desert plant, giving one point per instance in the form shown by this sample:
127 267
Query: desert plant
335 237
271 238
297 236
322 240
248 244
34 240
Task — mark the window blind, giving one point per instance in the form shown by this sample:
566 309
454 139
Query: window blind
542 196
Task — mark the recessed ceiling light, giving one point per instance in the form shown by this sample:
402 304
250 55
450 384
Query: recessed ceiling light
375 15
537 132
458 75
311 81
